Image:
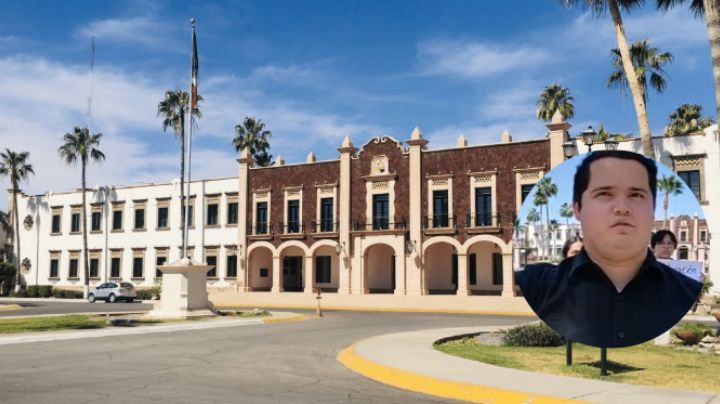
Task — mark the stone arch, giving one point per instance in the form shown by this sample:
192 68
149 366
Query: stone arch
486 257
258 244
442 239
324 266
321 243
293 243
505 248
260 266
379 267
440 266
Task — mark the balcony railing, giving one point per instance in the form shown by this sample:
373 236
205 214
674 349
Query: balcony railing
380 224
483 220
293 227
324 226
439 222
260 229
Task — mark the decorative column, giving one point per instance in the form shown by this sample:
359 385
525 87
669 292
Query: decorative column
508 289
276 274
244 164
462 289
345 258
558 135
308 270
413 261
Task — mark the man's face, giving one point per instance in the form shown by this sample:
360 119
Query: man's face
665 248
617 209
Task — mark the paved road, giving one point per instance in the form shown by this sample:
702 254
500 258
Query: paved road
274 363
33 308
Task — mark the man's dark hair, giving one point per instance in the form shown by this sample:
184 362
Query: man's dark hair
582 175
659 236
568 243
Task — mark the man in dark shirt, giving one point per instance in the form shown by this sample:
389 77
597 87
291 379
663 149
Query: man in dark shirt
614 293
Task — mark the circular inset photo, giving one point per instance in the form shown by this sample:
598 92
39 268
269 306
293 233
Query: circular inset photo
612 248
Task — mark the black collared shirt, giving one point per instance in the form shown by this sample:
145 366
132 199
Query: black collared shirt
579 301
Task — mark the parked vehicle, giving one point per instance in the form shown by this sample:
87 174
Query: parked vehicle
112 292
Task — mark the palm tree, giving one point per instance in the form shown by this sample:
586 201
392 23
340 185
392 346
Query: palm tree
5 227
17 167
603 134
173 108
598 8
687 119
546 189
710 9
83 146
533 216
648 61
555 98
669 186
566 211
251 134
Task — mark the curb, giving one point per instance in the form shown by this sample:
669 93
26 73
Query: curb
290 319
437 387
382 310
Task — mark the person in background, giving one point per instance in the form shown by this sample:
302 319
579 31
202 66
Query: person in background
572 247
663 244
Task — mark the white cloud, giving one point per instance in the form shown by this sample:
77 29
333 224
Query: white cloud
468 59
143 31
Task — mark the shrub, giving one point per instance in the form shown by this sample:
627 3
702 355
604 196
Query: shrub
533 335
45 291
143 294
21 293
33 291
66 294
57 293
698 328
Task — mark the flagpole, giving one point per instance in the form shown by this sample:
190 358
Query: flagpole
192 100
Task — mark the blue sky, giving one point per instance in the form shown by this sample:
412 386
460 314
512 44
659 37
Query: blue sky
564 174
315 71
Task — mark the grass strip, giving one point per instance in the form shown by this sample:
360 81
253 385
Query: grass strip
72 322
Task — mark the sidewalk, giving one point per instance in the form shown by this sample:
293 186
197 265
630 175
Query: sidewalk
408 361
219 322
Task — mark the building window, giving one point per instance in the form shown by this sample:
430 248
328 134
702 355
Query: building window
54 265
483 206
497 269
322 269
381 212
702 236
326 215
75 223
440 208
162 218
137 267
525 191
95 221
139 219
263 272
212 214
115 267
73 268
94 267
682 253
231 265
261 218
692 179
683 235
159 261
293 216
232 213
472 263
117 220
190 215
56 223
212 261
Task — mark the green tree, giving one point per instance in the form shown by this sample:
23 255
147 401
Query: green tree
710 10
603 135
598 8
173 108
669 185
17 166
251 134
546 189
555 98
81 145
686 119
648 63
566 211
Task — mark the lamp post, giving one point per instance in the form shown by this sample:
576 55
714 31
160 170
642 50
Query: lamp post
106 191
611 143
588 136
570 149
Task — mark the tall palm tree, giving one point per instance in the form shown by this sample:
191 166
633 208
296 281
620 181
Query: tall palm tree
533 216
669 185
555 98
16 165
82 145
546 189
566 211
598 8
173 108
710 9
686 119
251 134
648 61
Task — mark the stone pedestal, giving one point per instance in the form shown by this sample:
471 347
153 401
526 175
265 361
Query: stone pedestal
184 291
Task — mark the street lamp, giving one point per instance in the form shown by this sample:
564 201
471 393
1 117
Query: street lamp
611 143
410 246
339 247
588 136
569 149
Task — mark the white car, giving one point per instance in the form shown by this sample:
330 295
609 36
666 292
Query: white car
112 292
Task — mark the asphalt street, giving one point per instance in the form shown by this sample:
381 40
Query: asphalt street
34 308
271 363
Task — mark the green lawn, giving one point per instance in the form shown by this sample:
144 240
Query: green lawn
645 364
75 322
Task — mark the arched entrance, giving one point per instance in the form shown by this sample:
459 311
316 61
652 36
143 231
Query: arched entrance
260 274
291 269
379 269
441 269
325 271
485 268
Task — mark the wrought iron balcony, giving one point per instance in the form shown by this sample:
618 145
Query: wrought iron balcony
380 223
